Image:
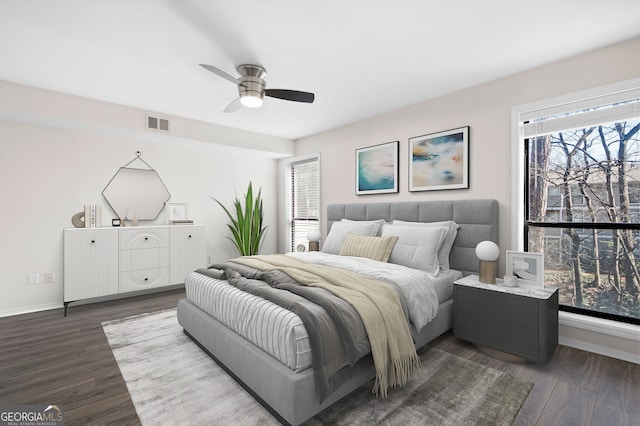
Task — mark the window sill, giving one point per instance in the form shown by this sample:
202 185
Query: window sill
605 337
600 325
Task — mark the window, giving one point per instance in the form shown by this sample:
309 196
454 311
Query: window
581 180
304 200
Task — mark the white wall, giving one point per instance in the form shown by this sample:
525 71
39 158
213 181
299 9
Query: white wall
58 152
487 110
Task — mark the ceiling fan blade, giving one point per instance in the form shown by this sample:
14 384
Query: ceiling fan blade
290 95
220 73
233 106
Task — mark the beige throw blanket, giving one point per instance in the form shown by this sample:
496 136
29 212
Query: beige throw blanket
377 303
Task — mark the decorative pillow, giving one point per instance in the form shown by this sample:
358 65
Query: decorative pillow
338 232
379 224
376 248
443 253
417 247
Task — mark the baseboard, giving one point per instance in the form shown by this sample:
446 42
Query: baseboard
605 337
46 307
29 309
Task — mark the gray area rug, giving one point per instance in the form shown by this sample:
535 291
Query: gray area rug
172 381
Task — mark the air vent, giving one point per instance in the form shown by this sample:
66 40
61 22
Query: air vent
157 123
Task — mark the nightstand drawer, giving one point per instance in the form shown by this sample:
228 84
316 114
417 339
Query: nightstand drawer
517 310
521 341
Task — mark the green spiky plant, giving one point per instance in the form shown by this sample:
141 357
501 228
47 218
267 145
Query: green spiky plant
246 225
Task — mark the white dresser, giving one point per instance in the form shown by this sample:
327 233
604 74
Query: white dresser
108 261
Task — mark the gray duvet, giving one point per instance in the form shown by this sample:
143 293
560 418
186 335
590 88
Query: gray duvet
336 333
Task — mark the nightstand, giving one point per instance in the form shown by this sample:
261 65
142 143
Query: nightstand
521 321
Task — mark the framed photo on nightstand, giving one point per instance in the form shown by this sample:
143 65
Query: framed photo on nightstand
527 267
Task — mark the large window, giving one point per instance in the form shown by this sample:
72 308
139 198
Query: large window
582 201
304 179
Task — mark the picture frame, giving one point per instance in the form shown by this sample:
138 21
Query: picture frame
439 161
377 169
176 212
527 267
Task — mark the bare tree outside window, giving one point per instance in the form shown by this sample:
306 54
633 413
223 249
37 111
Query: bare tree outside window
584 215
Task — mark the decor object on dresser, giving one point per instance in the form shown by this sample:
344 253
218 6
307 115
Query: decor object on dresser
110 261
527 267
377 169
314 240
77 220
439 160
136 193
176 213
521 321
488 253
246 224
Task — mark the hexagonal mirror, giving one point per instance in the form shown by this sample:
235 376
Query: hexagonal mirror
136 194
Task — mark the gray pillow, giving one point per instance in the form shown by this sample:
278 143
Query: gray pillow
379 224
338 232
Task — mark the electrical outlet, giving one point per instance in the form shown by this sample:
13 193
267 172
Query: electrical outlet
34 278
49 277
211 260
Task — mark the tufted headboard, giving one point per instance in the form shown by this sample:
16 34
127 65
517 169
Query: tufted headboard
478 220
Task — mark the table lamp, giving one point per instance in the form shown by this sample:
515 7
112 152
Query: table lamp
488 252
314 240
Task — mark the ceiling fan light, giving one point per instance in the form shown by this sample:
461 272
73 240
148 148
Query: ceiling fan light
251 101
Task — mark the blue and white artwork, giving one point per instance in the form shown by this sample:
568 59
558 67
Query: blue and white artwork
377 169
439 160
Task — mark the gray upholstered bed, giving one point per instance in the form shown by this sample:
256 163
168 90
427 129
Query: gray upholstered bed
291 395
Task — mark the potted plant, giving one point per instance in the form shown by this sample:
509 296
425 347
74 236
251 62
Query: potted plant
246 225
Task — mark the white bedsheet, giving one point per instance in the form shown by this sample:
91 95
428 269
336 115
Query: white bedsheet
422 291
282 334
275 330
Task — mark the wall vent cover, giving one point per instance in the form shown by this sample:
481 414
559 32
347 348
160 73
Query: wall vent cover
157 123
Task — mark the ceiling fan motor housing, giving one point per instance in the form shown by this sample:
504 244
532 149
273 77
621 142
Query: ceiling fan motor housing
251 81
251 86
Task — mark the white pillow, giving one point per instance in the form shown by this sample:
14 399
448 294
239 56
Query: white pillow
443 253
379 224
338 232
417 247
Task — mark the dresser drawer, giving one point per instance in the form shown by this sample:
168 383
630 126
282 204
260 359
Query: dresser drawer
142 279
131 260
142 238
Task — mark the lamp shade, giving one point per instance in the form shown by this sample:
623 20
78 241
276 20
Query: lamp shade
314 235
487 251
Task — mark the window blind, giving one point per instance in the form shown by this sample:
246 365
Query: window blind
305 200
589 112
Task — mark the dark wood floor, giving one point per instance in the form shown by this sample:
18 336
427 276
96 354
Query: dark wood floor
46 358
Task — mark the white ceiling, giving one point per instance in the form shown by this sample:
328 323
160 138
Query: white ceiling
360 58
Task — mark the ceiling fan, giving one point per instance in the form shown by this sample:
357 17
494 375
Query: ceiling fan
252 87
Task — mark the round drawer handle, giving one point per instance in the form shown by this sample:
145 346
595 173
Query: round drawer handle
189 236
146 279
146 238
93 241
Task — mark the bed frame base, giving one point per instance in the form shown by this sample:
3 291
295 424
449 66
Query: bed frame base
289 396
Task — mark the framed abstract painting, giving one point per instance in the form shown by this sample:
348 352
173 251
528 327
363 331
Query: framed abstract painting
439 160
377 169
